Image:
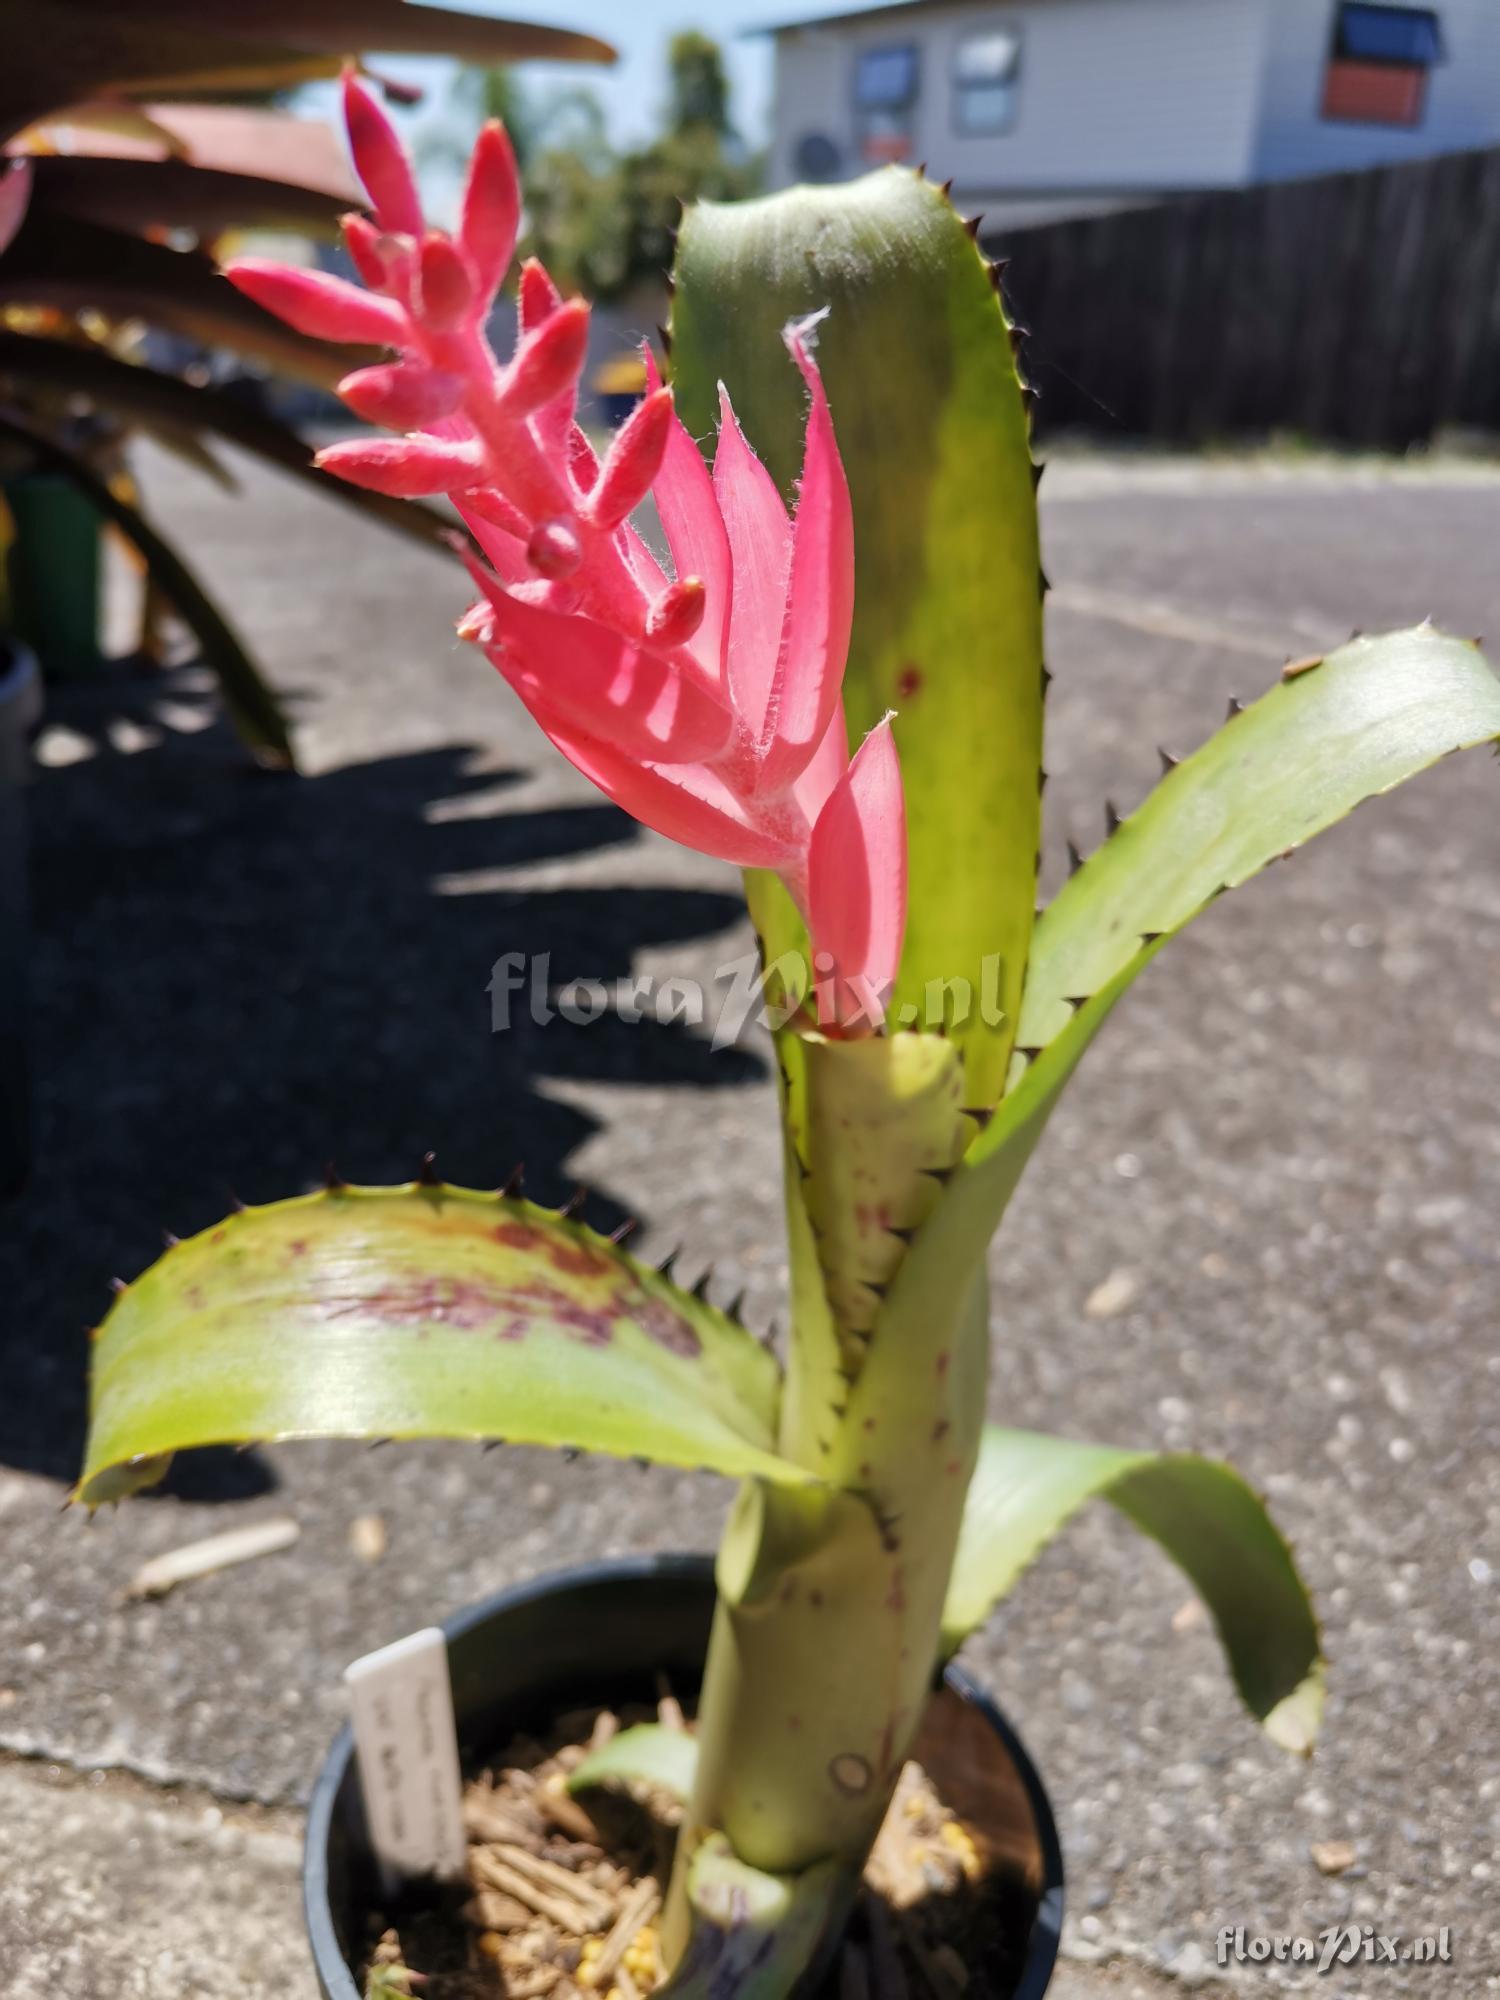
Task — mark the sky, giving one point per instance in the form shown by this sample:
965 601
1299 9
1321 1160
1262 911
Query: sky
634 90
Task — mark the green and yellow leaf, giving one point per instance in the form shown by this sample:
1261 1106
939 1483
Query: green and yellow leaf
650 1755
752 1935
933 432
1371 715
1026 1487
422 1311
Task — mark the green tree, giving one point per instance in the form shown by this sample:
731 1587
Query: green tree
568 119
700 89
603 222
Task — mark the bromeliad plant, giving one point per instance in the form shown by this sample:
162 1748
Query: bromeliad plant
716 697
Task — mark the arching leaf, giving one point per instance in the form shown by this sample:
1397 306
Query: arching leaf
159 48
422 1311
150 396
80 266
1327 736
1026 1487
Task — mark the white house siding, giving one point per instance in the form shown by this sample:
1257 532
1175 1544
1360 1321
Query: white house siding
1463 94
813 93
1115 97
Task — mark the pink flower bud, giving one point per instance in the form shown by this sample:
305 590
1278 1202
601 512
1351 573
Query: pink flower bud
547 360
446 291
362 241
634 460
491 211
677 613
379 161
406 468
401 395
494 507
554 550
316 304
539 298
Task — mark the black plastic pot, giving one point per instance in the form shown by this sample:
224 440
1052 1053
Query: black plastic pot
604 1634
20 712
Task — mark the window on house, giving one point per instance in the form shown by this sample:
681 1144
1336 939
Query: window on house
886 79
986 73
1380 62
886 82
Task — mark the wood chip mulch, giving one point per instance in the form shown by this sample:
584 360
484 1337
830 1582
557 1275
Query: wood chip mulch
562 1902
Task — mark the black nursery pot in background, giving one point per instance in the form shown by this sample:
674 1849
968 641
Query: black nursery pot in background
604 1634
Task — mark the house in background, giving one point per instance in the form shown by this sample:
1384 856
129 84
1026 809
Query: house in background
1045 108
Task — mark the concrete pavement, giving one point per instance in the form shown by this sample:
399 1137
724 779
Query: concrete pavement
1263 1224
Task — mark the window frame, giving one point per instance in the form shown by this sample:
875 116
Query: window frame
961 89
1338 58
863 107
886 131
1428 15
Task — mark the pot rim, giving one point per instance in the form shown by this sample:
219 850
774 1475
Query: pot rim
328 1955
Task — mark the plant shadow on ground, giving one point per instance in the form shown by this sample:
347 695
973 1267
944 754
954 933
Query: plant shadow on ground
237 977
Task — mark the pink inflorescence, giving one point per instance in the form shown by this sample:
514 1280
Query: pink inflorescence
706 702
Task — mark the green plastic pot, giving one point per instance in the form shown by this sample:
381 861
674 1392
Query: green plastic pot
53 573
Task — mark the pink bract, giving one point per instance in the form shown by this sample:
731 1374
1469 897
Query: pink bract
705 701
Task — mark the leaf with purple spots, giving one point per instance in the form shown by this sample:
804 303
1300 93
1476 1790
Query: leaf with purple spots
422 1311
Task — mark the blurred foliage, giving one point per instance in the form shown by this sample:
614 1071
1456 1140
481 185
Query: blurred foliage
604 220
144 139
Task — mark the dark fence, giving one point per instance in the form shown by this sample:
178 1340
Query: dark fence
1363 308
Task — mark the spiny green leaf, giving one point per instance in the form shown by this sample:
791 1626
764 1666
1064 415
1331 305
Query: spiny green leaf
1372 714
649 1754
947 626
879 1128
872 1130
422 1311
816 1382
1026 1487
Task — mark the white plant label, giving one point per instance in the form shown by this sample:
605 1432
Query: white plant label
404 1733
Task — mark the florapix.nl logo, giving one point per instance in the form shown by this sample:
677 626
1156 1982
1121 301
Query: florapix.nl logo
740 992
1338 1945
